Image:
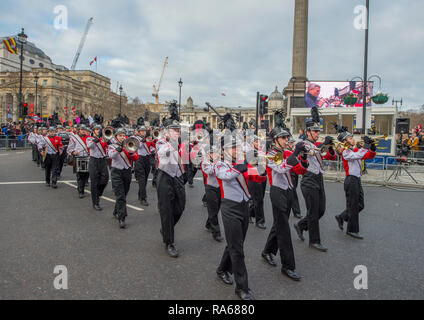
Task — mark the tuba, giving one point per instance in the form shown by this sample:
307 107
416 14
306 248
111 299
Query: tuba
131 145
108 132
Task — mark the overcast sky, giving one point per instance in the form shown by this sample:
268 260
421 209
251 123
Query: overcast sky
235 47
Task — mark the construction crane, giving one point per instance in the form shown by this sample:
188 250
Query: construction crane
81 45
156 91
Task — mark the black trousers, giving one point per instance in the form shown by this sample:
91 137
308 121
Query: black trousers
51 164
99 177
171 204
121 181
213 199
155 172
82 178
153 163
38 158
62 159
191 173
279 237
354 202
141 170
34 152
257 190
312 186
236 222
295 198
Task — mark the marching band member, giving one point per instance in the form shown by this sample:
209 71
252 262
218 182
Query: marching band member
52 145
170 184
233 179
282 187
78 148
153 157
121 174
32 138
142 166
61 132
213 192
39 147
97 166
295 179
352 157
312 183
257 189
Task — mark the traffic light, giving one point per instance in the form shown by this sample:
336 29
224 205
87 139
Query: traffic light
24 109
263 104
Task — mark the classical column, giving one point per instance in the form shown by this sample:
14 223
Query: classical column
296 85
300 40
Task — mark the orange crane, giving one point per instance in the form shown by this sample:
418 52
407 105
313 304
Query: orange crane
156 91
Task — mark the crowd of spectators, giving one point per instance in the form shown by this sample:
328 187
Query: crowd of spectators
13 134
411 144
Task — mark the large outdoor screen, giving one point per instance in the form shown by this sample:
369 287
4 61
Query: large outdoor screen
336 94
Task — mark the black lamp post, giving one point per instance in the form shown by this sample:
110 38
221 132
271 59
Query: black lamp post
364 91
180 84
22 39
120 100
293 80
36 93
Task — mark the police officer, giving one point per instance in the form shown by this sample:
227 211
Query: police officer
121 174
99 174
171 183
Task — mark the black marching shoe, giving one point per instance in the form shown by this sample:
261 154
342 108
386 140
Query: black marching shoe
172 251
318 246
355 235
122 224
97 207
339 220
115 215
243 295
144 203
225 276
218 238
299 232
269 259
291 274
251 221
261 226
205 204
54 185
47 184
297 216
81 195
190 186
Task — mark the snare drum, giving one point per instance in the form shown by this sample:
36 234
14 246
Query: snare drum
81 164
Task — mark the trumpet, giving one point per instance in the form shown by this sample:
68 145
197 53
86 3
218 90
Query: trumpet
278 158
108 132
131 145
383 137
156 133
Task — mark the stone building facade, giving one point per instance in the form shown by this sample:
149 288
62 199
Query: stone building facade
59 91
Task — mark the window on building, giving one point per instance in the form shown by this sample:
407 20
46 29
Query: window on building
31 61
41 65
44 82
57 83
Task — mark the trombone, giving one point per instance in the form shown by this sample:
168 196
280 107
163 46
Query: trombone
131 145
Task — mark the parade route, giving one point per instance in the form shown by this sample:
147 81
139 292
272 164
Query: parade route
43 228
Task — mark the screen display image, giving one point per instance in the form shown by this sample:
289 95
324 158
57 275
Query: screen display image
332 94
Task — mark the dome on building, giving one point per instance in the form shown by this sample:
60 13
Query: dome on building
276 95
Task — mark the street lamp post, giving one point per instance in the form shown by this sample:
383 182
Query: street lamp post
120 100
180 84
293 80
364 91
36 94
22 38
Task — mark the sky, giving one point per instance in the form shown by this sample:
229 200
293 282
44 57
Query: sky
235 47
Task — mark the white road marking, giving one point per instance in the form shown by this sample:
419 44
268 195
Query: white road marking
103 197
30 182
4 154
20 152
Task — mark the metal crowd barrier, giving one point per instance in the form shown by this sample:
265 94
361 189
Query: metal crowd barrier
18 143
386 171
